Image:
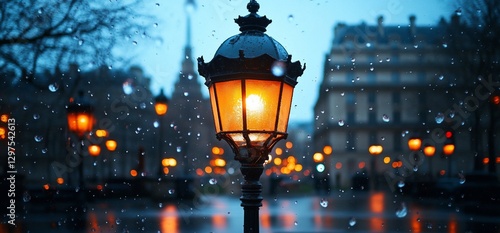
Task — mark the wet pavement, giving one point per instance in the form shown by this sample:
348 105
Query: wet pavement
347 211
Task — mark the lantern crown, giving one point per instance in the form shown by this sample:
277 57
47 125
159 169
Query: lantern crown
251 52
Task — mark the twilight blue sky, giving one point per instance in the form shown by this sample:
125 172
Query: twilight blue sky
303 27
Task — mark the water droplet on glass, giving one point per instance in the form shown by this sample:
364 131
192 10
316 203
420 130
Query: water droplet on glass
439 118
186 93
296 223
353 59
53 87
134 42
212 181
385 118
441 77
323 203
458 11
415 168
179 149
372 69
445 45
118 221
401 183
171 191
290 18
341 123
451 114
26 197
278 68
157 4
352 221
127 88
342 93
402 211
38 138
36 116
156 124
387 59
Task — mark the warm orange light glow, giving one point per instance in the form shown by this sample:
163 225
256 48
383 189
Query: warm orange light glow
414 143
327 150
169 219
397 164
277 161
208 169
486 160
338 165
442 172
289 145
2 133
4 118
361 165
375 149
111 145
377 202
448 149
298 167
278 151
133 173
496 100
161 108
169 162
291 159
46 186
101 133
497 159
215 150
80 123
166 170
429 150
318 157
261 108
60 180
94 150
219 221
220 162
99 187
387 159
199 172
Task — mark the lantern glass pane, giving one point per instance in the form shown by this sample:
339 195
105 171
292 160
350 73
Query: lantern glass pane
286 103
262 99
229 105
72 122
214 108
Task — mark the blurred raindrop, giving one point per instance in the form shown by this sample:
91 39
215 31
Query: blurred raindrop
278 68
385 118
352 221
53 87
439 118
402 211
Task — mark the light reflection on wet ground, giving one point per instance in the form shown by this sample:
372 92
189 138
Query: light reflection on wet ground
339 212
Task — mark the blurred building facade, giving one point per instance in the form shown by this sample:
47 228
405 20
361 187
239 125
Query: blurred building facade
382 85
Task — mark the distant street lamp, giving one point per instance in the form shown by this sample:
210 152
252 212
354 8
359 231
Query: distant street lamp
161 107
414 143
80 114
251 80
375 150
448 149
429 151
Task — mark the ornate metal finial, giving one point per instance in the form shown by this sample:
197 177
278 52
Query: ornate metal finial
253 6
253 21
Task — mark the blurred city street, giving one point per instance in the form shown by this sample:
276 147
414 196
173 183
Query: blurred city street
341 211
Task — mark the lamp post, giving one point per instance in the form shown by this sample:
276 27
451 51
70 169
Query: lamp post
250 81
161 107
414 144
375 150
448 149
80 121
429 151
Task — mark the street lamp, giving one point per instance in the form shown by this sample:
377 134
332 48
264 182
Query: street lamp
374 150
429 151
414 143
448 149
161 107
250 81
80 114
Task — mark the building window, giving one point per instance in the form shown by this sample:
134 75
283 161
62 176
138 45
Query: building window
351 141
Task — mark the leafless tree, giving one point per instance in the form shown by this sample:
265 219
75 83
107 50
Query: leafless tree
475 41
39 35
